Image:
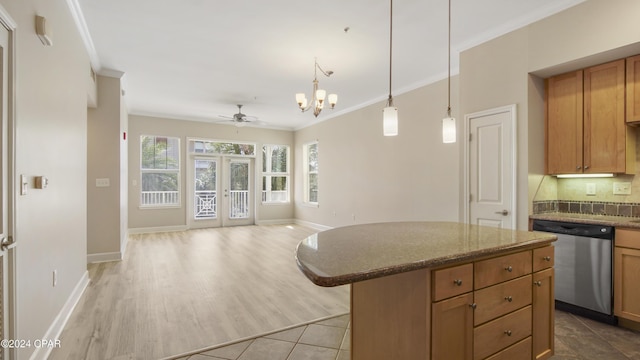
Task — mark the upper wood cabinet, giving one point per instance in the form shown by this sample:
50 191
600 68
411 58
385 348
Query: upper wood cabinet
586 130
633 89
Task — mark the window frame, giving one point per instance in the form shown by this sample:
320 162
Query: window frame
269 174
177 171
307 174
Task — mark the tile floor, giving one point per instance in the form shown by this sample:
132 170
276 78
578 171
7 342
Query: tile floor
323 340
577 338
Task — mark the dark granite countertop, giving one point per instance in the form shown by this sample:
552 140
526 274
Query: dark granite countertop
360 252
617 221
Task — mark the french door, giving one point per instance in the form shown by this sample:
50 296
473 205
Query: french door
221 192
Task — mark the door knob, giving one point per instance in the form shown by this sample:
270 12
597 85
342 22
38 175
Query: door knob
6 242
503 212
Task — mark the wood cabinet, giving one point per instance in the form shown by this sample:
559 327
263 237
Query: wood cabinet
494 308
633 89
626 262
586 131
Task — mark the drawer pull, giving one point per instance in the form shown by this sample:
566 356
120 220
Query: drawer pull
508 298
507 332
509 268
547 258
539 283
473 306
457 282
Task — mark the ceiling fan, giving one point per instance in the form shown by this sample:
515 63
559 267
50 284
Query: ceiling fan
240 119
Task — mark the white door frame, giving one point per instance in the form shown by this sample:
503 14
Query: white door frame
11 330
514 132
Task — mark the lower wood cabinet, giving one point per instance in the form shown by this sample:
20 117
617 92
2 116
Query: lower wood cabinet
496 308
626 265
452 329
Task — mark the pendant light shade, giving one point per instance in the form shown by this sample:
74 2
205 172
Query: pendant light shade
448 130
390 112
390 121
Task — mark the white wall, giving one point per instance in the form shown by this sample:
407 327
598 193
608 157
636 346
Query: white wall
105 233
365 177
152 219
51 126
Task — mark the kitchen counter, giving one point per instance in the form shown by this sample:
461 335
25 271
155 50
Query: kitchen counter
426 290
361 252
616 221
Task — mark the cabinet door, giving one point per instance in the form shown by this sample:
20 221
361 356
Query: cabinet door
452 328
563 124
543 314
605 130
633 89
627 292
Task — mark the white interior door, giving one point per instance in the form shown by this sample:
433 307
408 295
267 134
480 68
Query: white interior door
491 167
7 247
221 191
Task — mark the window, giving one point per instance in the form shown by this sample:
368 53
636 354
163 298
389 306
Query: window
208 147
310 172
159 171
275 174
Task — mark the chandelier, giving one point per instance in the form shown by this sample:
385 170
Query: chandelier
318 95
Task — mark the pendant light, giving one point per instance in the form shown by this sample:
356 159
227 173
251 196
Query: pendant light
449 123
390 112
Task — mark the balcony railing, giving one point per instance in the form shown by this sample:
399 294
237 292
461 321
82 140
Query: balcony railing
206 205
275 196
238 204
159 198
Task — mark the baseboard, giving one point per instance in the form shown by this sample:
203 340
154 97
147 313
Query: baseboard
276 222
312 225
104 257
55 330
158 229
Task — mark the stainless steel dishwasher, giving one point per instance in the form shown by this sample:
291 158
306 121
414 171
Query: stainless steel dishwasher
583 268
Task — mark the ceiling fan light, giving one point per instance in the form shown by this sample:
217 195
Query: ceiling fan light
390 121
448 130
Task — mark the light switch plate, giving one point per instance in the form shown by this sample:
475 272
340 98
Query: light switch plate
102 182
621 188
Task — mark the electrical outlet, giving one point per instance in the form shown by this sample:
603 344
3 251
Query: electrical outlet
621 188
591 189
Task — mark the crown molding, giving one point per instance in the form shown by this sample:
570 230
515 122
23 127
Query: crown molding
81 24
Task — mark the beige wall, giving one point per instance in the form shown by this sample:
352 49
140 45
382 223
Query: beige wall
51 130
151 219
104 204
366 177
496 73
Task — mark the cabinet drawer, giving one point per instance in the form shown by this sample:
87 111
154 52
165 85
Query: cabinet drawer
501 299
501 333
543 258
452 281
503 268
519 351
627 238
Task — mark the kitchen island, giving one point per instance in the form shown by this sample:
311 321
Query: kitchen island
439 290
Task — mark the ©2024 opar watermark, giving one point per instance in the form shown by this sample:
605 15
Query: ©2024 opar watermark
21 344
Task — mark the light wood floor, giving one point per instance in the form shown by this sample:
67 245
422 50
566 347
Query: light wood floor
182 291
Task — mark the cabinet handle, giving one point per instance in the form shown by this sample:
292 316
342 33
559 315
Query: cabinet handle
508 298
547 258
457 282
509 268
586 167
473 306
508 332
578 167
539 283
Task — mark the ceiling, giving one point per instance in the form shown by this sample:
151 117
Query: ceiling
197 59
